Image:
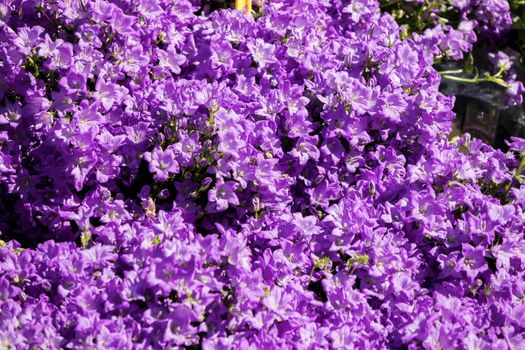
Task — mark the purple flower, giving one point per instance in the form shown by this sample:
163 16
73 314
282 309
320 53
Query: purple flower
162 163
263 53
223 194
135 59
179 324
501 60
306 149
392 106
120 22
187 147
175 175
515 92
360 8
11 113
61 57
473 261
28 38
222 55
171 59
108 168
108 94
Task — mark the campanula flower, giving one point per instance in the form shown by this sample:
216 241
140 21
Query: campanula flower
162 163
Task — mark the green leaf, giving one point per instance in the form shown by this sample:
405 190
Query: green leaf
322 263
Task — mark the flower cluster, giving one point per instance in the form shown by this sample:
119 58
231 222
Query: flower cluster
454 30
177 176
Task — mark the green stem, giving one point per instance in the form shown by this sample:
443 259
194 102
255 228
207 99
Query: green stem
311 275
464 80
500 72
516 175
520 167
507 190
490 79
453 71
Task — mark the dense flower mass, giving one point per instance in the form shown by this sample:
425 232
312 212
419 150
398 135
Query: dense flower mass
453 30
173 175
